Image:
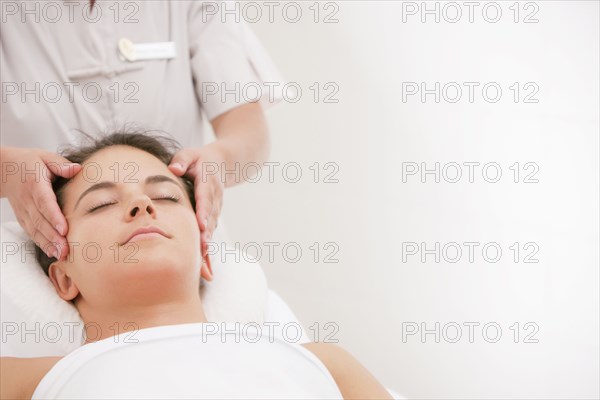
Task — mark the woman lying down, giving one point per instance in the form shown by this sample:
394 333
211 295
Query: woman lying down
158 294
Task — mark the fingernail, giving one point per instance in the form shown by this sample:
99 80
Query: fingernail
59 228
55 253
177 165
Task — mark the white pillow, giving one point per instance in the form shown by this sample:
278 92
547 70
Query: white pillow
36 322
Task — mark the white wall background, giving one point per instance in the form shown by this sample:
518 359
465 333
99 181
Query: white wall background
370 132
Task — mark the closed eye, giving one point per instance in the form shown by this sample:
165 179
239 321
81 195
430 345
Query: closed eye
169 197
172 198
94 208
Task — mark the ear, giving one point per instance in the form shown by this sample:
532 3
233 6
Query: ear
206 269
64 285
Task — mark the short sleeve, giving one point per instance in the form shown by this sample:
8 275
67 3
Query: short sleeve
229 65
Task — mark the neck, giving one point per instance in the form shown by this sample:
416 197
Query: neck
108 323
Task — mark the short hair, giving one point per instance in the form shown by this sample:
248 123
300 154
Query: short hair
157 144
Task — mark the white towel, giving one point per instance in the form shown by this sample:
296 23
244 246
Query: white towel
190 361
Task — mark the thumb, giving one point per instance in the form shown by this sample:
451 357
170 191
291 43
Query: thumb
60 166
182 161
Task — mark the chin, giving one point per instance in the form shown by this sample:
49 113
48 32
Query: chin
163 257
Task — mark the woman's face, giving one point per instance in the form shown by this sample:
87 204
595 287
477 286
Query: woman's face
119 190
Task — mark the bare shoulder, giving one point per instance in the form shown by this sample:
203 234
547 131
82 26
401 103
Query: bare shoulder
352 378
20 376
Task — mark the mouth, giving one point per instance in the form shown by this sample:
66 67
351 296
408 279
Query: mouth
148 232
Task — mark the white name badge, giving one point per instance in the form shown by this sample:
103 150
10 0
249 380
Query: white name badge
131 52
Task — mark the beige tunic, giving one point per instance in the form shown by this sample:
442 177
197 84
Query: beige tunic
61 69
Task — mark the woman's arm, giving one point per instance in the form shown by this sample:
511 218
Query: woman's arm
20 376
242 137
31 197
353 380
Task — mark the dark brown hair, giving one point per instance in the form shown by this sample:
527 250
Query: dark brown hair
160 146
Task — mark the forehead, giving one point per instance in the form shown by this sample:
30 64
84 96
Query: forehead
121 164
116 164
124 154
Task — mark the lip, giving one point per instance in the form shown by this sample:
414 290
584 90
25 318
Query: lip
146 229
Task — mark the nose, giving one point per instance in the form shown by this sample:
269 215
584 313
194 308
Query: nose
141 205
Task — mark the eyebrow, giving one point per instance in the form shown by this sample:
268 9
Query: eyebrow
109 185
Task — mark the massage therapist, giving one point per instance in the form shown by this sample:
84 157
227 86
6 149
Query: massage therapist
173 66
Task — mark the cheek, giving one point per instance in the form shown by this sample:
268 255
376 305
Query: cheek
185 221
187 232
91 241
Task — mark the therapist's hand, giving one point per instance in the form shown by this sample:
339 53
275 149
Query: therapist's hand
203 165
27 176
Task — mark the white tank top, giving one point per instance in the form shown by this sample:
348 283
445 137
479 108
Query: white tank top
189 361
